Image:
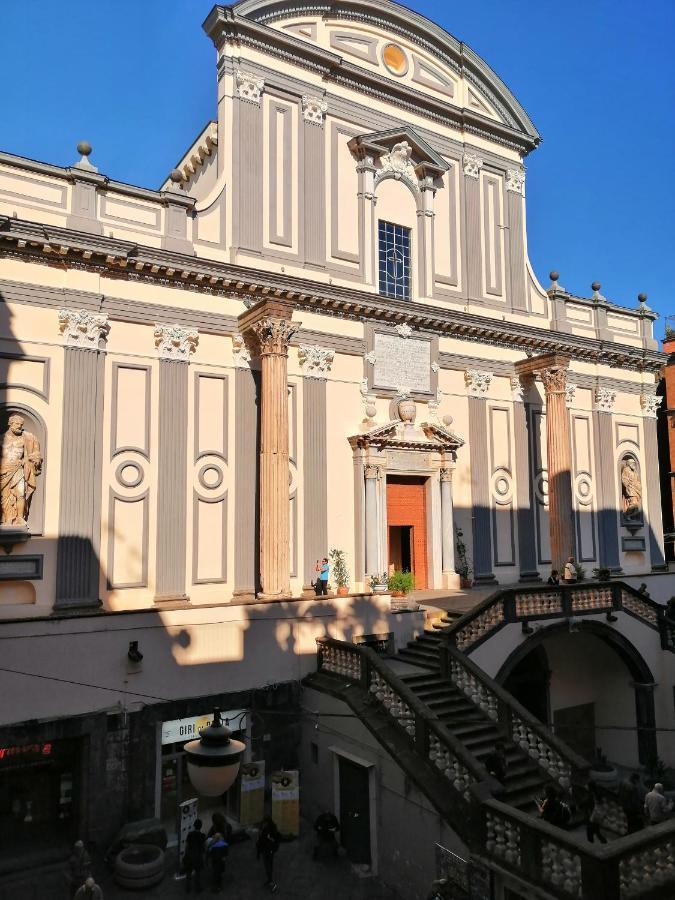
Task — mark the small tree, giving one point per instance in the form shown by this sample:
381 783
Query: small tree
340 570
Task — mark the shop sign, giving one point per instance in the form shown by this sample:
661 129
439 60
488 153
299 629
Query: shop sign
26 753
252 802
188 729
286 801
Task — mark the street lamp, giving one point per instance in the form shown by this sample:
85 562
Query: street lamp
213 760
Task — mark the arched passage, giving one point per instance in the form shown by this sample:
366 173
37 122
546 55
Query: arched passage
598 689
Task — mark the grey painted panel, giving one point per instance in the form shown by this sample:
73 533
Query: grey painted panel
655 522
354 43
6 383
315 475
492 236
246 449
144 450
480 490
130 220
77 570
20 567
430 76
144 499
172 479
198 451
280 138
525 495
502 512
247 183
314 170
515 237
584 510
608 516
338 134
472 243
450 186
222 576
37 202
539 475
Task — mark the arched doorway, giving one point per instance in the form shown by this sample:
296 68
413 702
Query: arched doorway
592 687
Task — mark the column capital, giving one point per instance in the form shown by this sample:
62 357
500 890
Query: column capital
477 382
175 342
650 405
446 472
315 361
313 109
82 329
372 471
249 86
269 324
604 399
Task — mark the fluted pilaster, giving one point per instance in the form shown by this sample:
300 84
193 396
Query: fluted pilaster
559 461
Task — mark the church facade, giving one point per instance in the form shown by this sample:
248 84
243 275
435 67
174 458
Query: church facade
322 331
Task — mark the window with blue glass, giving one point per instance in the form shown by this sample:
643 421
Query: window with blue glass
394 260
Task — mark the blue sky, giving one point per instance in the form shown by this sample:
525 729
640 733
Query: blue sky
137 79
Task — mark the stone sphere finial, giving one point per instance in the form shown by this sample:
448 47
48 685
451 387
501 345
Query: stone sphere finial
84 148
642 298
596 286
176 176
448 420
554 276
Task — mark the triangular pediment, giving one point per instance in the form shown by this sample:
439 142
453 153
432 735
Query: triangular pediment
426 437
379 144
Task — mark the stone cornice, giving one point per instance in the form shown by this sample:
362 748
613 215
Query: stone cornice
123 259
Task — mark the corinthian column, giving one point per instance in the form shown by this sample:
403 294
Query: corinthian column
552 369
269 325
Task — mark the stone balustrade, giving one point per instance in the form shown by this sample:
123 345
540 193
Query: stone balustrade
474 689
641 607
561 868
541 751
648 868
503 839
481 625
340 661
538 603
591 597
392 702
457 774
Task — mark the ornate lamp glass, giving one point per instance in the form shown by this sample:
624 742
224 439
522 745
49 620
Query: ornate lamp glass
213 760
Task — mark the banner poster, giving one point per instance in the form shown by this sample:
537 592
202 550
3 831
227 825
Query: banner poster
187 814
252 802
286 801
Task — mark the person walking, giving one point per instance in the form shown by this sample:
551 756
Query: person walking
89 891
321 584
570 571
193 858
79 868
495 761
593 816
267 846
631 802
217 853
657 806
554 577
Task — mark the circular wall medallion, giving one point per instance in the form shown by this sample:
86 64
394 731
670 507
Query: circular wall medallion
395 59
584 488
129 474
541 488
210 477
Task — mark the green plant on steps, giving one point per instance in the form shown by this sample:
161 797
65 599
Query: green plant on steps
401 582
581 572
376 580
340 570
602 573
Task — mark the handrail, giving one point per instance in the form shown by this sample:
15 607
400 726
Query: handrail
524 604
524 729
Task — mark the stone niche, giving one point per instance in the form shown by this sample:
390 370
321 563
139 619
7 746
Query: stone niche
35 426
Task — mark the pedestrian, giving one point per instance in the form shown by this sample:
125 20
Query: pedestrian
593 816
554 577
630 798
326 827
670 610
217 853
193 858
321 584
89 891
220 825
495 762
570 571
267 846
552 810
79 867
657 806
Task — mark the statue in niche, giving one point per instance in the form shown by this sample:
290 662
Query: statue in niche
20 465
631 490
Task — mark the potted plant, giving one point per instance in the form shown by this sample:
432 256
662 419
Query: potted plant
601 771
581 572
340 571
401 583
602 573
379 583
462 566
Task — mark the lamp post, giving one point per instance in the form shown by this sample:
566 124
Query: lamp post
213 760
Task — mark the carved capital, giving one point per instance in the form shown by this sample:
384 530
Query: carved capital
315 361
477 382
249 86
313 110
446 473
517 389
650 404
555 380
240 352
472 164
175 342
515 181
273 335
371 471
604 399
83 329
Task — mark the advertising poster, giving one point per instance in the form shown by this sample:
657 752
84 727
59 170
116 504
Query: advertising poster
187 814
286 801
252 804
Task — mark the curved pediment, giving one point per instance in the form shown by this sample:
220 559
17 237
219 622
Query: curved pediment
399 45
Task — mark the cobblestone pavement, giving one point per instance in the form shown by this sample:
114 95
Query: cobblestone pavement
296 873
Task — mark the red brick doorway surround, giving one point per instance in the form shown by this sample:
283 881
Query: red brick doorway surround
407 508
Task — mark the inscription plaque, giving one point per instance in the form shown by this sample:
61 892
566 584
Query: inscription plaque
402 363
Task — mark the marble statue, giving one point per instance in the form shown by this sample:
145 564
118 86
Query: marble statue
631 489
20 464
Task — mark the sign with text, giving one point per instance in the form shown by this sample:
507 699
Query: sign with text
188 729
402 362
286 801
252 802
187 816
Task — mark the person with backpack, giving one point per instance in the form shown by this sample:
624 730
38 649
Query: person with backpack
552 810
217 853
267 846
193 857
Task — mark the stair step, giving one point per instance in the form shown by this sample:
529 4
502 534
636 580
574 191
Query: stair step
417 659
